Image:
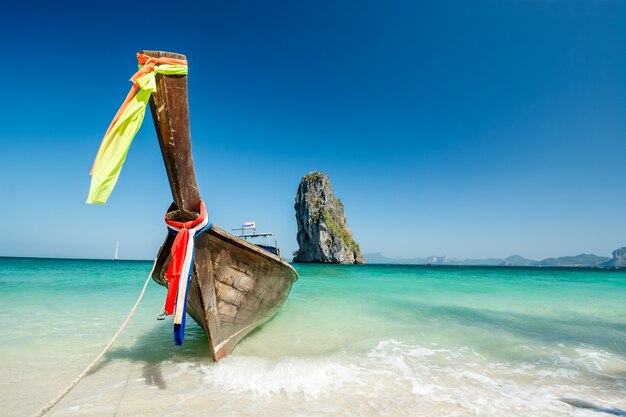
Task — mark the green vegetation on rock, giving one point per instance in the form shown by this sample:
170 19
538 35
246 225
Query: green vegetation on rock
323 234
341 231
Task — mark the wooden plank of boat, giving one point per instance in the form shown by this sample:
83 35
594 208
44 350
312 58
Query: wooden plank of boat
235 286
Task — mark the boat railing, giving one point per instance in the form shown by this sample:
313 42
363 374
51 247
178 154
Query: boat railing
253 234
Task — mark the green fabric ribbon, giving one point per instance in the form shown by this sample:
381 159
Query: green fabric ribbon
115 145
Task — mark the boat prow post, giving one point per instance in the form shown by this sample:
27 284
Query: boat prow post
169 106
235 286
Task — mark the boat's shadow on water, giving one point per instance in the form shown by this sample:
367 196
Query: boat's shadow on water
155 347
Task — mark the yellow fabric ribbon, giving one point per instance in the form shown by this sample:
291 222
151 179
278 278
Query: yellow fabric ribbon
117 140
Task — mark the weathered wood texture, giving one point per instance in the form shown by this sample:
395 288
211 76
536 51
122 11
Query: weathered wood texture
170 113
235 285
243 287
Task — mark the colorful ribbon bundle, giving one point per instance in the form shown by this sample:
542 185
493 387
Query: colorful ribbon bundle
180 266
118 137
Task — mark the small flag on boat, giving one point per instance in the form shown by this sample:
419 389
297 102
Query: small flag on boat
249 225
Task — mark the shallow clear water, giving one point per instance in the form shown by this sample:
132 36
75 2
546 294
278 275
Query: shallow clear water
351 340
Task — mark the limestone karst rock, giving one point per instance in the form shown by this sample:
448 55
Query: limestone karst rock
323 235
618 260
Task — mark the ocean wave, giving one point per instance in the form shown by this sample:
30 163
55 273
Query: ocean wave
393 376
290 376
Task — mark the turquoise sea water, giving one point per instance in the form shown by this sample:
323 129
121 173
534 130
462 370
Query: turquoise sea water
351 340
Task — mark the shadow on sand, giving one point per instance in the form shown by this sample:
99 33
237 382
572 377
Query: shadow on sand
156 346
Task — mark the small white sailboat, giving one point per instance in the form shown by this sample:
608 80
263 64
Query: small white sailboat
117 247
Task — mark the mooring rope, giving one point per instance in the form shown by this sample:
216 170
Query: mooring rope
75 382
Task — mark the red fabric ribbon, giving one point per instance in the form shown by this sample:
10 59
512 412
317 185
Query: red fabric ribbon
179 254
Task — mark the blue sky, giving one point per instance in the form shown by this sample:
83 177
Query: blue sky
467 129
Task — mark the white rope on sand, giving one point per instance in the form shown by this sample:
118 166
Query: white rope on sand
75 382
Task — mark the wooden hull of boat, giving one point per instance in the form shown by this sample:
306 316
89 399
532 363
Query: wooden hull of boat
235 286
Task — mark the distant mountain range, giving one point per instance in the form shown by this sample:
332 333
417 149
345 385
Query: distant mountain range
578 260
583 260
618 260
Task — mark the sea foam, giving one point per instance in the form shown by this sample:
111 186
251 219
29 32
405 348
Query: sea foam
309 377
393 376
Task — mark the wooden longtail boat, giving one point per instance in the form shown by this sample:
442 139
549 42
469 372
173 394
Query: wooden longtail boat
235 285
